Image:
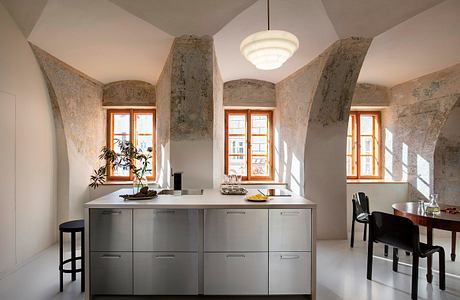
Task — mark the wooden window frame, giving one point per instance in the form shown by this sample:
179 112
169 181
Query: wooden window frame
132 138
248 155
356 144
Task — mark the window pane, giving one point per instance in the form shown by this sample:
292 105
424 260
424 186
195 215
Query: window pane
237 145
350 125
116 146
237 124
143 142
366 166
259 145
237 165
144 123
366 124
259 124
366 145
259 166
120 124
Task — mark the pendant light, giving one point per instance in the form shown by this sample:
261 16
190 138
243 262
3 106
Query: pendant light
269 49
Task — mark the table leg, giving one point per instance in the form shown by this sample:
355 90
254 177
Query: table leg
454 241
429 241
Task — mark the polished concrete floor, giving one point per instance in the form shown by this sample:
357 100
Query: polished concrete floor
341 275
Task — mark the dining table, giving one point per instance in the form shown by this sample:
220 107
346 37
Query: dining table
448 218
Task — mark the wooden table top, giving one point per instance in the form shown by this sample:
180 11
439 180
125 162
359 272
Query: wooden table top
413 209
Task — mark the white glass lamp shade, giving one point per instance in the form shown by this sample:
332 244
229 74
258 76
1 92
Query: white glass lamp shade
269 49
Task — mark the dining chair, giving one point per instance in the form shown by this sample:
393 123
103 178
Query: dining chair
401 233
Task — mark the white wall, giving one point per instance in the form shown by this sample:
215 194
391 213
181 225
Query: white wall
28 211
381 197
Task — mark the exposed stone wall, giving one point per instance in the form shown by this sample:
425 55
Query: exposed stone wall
367 94
447 159
192 110
249 92
311 122
129 93
80 119
418 110
218 134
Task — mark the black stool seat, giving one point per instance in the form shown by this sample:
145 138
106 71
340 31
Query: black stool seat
72 227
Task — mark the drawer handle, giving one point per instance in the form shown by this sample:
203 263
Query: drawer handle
110 212
236 256
289 256
236 212
165 256
166 211
110 256
290 213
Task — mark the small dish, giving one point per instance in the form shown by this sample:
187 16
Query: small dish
257 198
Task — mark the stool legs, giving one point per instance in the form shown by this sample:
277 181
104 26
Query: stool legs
61 259
454 241
73 251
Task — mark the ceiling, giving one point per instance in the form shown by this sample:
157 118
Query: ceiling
130 39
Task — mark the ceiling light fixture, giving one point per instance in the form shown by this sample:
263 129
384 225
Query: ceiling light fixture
269 49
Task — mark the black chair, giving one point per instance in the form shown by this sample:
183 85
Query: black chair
361 213
72 227
401 233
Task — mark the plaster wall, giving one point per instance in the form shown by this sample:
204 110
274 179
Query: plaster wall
128 93
447 159
77 105
192 110
28 171
366 94
218 128
418 110
249 93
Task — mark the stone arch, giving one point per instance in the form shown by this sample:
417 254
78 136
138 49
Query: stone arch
447 159
324 166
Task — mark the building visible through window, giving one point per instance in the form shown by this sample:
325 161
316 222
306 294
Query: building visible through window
137 126
363 153
248 148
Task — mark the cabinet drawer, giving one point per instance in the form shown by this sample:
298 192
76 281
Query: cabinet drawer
111 273
290 229
236 230
110 230
236 273
290 273
165 273
165 230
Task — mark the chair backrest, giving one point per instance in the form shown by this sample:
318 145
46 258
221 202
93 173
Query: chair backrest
393 230
360 204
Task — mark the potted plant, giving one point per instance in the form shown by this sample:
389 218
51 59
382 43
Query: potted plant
129 157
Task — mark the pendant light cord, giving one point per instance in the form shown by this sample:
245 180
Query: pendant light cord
268 14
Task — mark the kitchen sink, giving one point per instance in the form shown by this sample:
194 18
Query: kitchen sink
182 192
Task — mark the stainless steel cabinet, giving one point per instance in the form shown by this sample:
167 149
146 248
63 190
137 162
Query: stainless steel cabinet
111 229
236 230
236 273
290 229
111 273
165 230
165 273
290 273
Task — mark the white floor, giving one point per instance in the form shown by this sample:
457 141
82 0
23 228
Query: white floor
341 275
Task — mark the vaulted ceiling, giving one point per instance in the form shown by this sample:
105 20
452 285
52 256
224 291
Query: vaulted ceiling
130 39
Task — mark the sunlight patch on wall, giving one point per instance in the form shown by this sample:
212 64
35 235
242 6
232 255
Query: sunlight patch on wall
388 155
423 176
405 162
295 175
277 154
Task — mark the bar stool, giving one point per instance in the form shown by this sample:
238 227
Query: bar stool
72 227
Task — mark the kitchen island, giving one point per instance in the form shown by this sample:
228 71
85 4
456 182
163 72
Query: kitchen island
200 244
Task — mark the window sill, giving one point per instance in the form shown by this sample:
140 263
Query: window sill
128 182
262 182
371 181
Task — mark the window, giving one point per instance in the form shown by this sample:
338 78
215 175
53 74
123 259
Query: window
363 145
137 126
248 146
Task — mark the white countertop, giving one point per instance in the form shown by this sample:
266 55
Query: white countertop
211 198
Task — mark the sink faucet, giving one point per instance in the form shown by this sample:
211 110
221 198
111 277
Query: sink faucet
177 181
